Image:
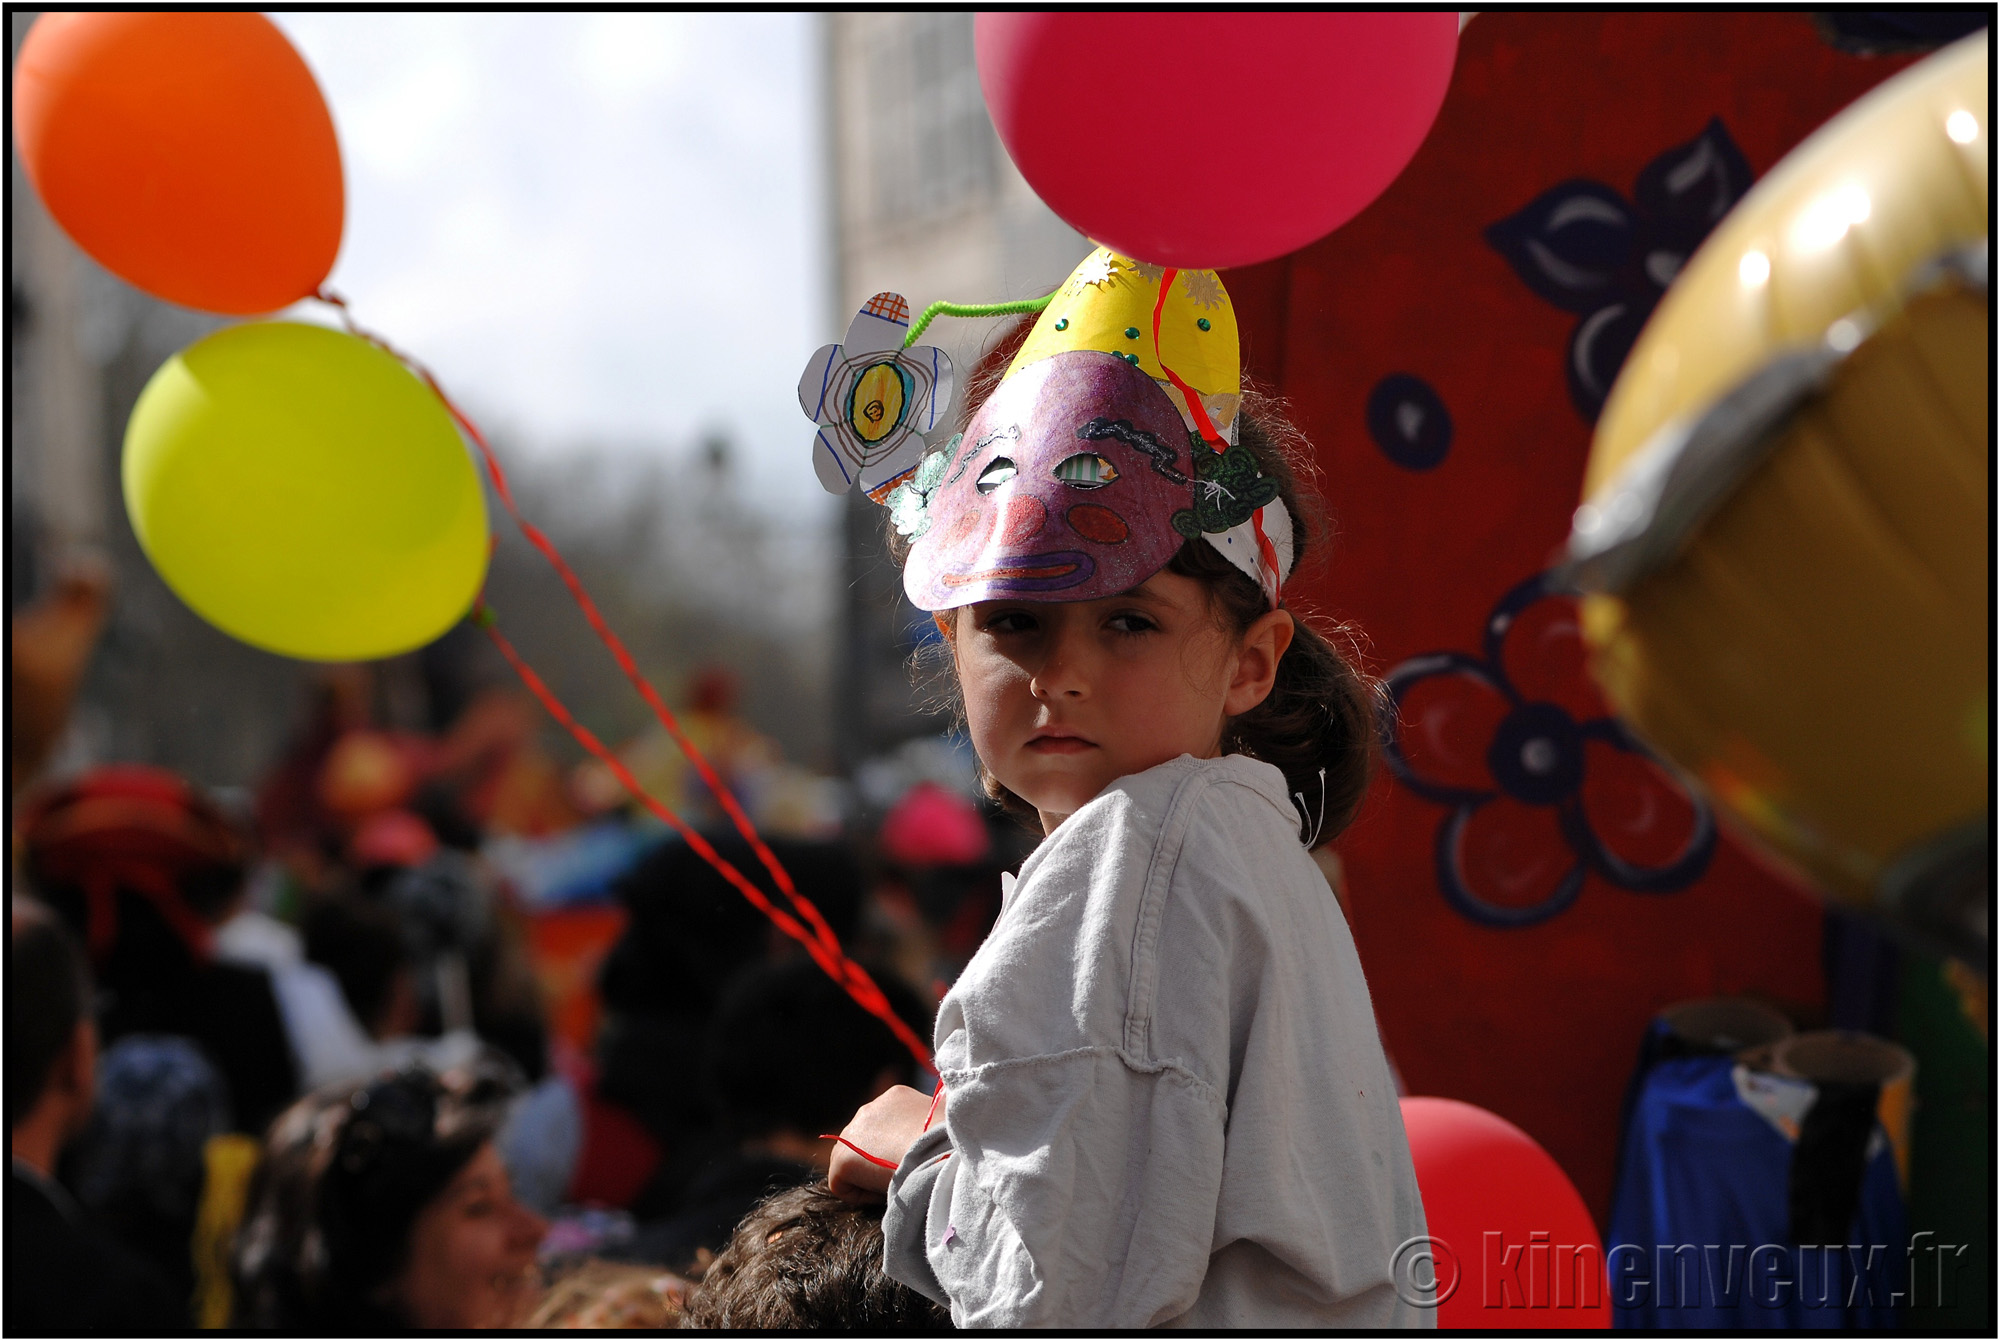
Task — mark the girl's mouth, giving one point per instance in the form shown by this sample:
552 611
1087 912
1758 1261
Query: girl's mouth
1059 744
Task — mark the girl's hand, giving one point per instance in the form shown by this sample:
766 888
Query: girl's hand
886 1127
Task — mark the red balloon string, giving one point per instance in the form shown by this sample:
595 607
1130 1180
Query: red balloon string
936 1099
1265 550
876 1160
820 942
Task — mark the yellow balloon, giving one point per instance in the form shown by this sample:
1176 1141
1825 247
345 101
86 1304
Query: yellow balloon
304 492
1784 533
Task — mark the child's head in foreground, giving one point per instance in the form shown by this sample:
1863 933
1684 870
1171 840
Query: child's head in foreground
806 1260
1096 625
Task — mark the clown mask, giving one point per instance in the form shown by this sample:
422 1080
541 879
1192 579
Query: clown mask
1064 487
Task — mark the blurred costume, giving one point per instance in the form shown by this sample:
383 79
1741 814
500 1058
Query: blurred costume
328 1043
143 866
788 1055
1718 1153
689 932
49 649
138 1168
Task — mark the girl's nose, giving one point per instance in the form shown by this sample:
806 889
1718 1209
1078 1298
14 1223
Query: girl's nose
1064 669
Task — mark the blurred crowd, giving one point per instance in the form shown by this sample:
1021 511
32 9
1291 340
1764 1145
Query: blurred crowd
431 1032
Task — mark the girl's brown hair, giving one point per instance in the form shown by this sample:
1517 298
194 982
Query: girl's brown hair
1317 723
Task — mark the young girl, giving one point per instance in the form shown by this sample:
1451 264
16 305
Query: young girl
1164 1099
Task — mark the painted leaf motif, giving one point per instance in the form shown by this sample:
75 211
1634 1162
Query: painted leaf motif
1684 193
1568 243
1227 489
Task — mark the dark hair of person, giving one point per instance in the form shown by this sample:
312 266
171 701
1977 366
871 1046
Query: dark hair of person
788 1048
1317 723
361 943
687 933
48 994
346 1170
806 1260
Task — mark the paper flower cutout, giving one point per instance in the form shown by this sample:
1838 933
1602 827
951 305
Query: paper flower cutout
1543 786
873 400
1580 246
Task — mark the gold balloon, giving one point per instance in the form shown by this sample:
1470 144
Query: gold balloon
1783 542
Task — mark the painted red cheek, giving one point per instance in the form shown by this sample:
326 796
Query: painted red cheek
1022 520
966 526
1100 524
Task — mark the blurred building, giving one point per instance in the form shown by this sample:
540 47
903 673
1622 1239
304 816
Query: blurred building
923 200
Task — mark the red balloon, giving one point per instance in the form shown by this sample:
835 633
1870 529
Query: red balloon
1512 1244
1203 140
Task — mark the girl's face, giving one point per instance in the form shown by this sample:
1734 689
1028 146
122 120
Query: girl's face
1064 697
470 1252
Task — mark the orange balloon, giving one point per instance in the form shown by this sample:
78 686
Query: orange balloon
189 153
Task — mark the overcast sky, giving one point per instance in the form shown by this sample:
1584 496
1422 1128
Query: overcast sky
596 228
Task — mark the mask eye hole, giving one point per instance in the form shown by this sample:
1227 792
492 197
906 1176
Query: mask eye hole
1086 470
998 471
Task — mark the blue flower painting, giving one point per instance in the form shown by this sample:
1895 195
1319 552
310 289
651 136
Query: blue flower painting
1585 248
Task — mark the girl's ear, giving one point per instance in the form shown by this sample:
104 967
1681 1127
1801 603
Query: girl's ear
1257 657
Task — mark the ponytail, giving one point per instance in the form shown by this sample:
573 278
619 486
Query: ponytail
1317 725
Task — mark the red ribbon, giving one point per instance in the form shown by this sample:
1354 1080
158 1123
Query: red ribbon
819 942
876 1160
936 1099
1267 554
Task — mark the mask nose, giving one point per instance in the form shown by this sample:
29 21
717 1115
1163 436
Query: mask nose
1022 520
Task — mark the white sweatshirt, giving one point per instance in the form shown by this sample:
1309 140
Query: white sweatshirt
1168 1102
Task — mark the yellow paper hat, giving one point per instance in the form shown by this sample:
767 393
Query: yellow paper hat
1109 303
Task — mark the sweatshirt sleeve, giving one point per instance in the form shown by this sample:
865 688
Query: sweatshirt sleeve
905 1222
1080 1191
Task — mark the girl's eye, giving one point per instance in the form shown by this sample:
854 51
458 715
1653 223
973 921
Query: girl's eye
1131 623
997 472
1010 621
1086 470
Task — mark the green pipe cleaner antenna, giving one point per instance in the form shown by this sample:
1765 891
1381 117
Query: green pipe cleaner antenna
944 309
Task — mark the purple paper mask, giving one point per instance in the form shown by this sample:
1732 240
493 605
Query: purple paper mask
1062 489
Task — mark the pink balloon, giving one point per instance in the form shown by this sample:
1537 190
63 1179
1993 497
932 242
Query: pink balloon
1204 140
1480 1175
